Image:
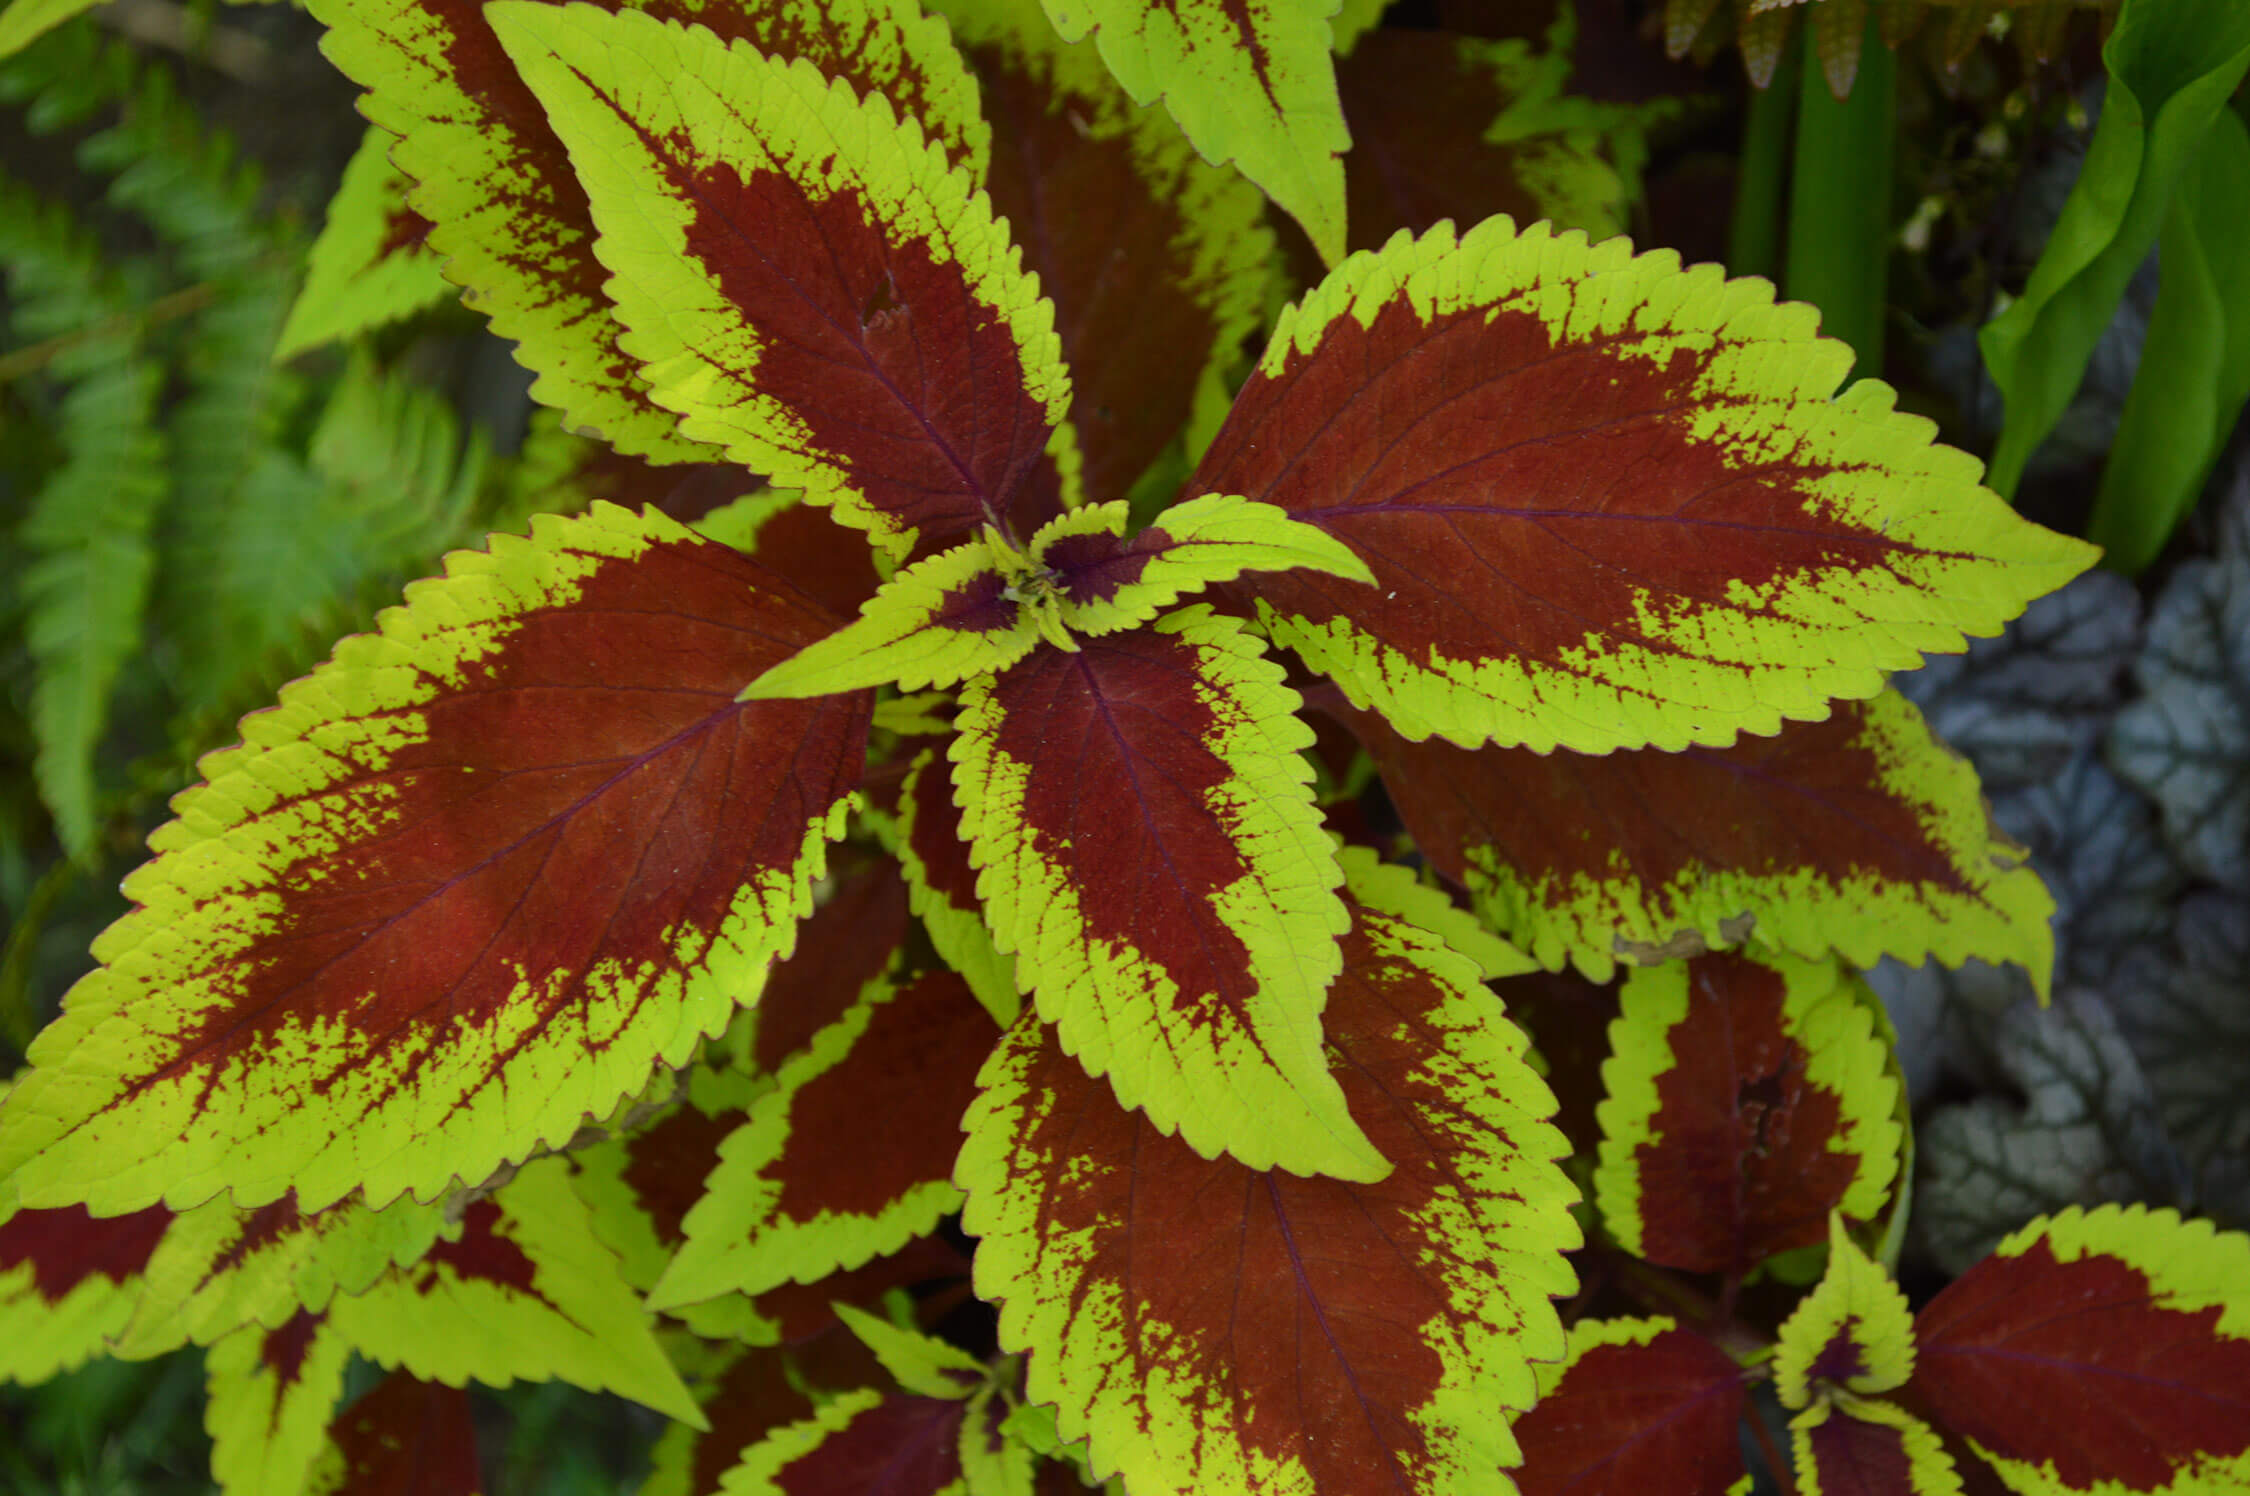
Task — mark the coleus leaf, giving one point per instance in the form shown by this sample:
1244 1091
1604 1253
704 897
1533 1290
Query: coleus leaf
1148 849
1424 107
1211 1327
1747 1099
404 1438
862 1442
470 882
68 1282
220 1268
922 1364
1251 84
1861 834
850 1156
978 608
872 340
1635 1405
1157 261
941 882
2098 1350
522 1291
509 213
369 266
271 1393
1868 1447
1853 1331
1609 503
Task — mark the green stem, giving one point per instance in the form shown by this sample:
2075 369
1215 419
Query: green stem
1840 201
1762 185
17 1023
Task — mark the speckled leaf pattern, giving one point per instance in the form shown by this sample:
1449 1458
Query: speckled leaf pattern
470 882
1609 503
1157 261
1747 1098
509 214
1853 1331
1215 1328
1636 1406
1860 834
806 281
271 1393
1148 849
404 1438
370 266
1250 82
2104 1350
220 1268
68 1282
522 1290
850 1155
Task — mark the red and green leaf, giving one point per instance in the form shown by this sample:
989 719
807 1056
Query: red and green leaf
2104 1350
1635 1406
271 1391
814 289
69 1282
370 265
863 1442
1211 1327
522 1290
220 1268
849 1156
470 883
1608 503
941 882
508 212
1853 1331
1747 1099
1148 848
1861 834
1250 83
404 1438
1850 1446
1157 262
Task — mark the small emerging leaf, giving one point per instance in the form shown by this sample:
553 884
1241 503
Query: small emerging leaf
1852 1331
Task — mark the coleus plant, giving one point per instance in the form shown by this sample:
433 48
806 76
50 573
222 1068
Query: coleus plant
655 919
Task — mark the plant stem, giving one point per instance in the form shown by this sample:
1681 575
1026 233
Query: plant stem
1840 201
1761 182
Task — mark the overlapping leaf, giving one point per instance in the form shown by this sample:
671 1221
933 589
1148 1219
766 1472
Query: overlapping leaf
370 265
271 1393
523 1290
508 210
1747 1099
1156 260
1149 851
849 1156
1636 1405
68 1282
1861 834
405 1435
2098 1350
1210 1327
1250 83
1869 1448
470 882
811 287
1608 503
942 884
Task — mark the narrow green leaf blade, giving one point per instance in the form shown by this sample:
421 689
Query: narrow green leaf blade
470 883
1213 1328
1608 503
1250 83
370 266
2171 64
1163 881
510 217
811 286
